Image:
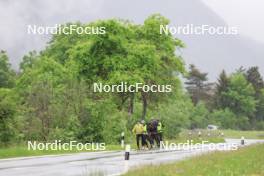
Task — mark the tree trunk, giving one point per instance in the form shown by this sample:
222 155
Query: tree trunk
145 104
131 104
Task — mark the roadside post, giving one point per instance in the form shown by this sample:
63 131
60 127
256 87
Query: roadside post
162 145
222 134
199 133
122 139
190 135
242 140
127 152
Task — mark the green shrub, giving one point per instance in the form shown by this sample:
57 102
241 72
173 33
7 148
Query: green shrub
7 116
199 116
225 117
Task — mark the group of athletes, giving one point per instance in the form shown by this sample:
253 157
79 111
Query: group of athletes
148 133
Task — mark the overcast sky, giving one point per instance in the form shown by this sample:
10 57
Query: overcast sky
248 15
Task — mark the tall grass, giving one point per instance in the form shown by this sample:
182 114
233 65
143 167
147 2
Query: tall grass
243 162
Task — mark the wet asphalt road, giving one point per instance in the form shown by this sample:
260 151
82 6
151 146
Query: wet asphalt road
98 163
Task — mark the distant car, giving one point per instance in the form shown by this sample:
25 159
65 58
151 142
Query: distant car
212 127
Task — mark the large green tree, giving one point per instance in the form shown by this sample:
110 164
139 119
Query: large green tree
6 73
55 85
221 86
240 96
254 77
28 60
197 85
126 53
7 116
41 88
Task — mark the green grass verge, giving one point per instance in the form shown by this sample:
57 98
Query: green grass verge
22 151
243 162
246 134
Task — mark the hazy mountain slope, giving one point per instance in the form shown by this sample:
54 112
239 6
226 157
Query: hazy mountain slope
210 53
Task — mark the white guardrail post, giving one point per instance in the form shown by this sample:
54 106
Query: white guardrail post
242 140
127 152
122 139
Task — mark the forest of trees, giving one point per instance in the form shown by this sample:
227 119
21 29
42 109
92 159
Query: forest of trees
51 96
